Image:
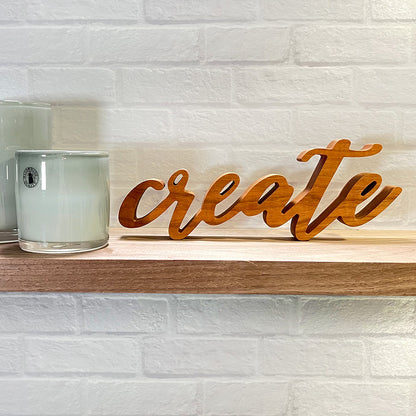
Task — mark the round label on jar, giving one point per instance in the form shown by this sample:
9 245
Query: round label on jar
30 177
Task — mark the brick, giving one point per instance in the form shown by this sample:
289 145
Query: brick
124 314
40 397
13 83
203 164
123 167
293 85
318 10
199 357
224 44
396 216
234 315
358 399
268 398
393 358
176 85
392 166
393 10
232 126
151 398
117 195
144 45
37 314
12 10
176 11
61 10
27 45
300 357
72 355
277 158
90 85
386 86
409 127
322 45
95 127
361 127
357 316
11 355
412 208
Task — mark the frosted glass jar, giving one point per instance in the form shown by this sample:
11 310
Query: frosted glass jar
62 200
22 126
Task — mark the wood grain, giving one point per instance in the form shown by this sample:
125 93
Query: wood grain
271 197
356 262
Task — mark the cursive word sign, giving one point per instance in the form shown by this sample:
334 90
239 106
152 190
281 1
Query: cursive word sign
271 196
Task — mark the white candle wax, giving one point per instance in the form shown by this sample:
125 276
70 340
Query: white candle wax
62 199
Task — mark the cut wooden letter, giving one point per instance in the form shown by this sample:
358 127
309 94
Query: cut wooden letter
270 196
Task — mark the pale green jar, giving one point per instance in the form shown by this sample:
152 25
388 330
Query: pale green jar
22 126
62 200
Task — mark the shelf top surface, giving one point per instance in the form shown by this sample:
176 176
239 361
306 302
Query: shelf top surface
346 246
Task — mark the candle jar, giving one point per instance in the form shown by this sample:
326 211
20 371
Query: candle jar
62 200
22 126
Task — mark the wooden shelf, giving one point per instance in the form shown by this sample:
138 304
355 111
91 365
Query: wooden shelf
351 262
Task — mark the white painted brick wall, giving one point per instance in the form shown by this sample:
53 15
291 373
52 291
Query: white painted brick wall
36 396
293 85
357 316
393 10
214 86
26 45
323 45
81 10
199 357
124 314
12 10
257 315
318 10
176 86
77 84
143 45
174 11
128 397
306 357
215 126
255 44
11 355
393 358
264 361
386 86
13 82
352 398
251 398
85 355
359 126
32 314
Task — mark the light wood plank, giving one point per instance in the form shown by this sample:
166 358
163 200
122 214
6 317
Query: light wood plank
350 262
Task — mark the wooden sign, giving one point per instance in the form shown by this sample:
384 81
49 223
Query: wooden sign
271 197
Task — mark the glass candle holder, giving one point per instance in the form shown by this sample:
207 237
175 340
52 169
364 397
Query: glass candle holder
22 126
62 200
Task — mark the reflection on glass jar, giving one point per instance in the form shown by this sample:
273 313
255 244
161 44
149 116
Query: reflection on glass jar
22 126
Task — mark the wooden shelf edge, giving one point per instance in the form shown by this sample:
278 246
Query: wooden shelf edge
379 263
